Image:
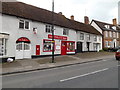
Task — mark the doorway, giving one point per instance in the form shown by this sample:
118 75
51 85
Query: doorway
79 47
88 46
23 48
63 48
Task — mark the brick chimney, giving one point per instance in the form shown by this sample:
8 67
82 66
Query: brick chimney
86 20
72 17
115 21
60 13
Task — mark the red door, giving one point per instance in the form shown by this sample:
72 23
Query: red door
63 48
37 49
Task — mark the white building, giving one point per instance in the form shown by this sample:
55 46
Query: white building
26 33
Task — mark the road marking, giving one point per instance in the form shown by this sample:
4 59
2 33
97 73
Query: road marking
84 75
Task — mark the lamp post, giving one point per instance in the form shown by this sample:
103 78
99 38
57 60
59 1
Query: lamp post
53 43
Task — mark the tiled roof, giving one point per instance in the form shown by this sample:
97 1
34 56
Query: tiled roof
23 10
102 25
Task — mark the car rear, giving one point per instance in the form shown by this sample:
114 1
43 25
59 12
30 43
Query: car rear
117 54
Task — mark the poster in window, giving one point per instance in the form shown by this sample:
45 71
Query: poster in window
70 46
47 45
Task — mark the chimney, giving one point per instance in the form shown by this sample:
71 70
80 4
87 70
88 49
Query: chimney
86 20
72 17
60 13
115 21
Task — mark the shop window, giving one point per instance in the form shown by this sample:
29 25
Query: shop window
65 31
47 45
48 28
70 46
95 46
19 46
24 24
2 47
22 46
26 46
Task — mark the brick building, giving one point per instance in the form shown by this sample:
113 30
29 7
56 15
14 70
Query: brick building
110 32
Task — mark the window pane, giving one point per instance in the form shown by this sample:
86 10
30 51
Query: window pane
26 25
81 36
65 31
48 29
47 45
21 24
70 46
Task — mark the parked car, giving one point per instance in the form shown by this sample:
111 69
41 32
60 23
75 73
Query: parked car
117 54
114 49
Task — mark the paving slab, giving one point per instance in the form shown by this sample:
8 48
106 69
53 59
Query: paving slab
20 66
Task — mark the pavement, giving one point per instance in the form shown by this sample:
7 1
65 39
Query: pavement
27 65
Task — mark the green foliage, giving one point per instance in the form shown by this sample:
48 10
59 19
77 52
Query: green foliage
105 49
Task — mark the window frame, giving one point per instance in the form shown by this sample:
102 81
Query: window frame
65 31
95 37
88 36
24 24
50 44
110 34
48 28
81 36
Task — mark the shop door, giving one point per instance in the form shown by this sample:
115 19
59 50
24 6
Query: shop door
79 46
37 49
64 48
88 46
23 50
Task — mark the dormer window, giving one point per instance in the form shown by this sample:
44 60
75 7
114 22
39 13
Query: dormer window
114 27
107 26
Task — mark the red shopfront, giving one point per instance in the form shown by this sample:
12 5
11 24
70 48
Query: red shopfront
66 46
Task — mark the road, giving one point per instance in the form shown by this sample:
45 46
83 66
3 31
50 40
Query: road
100 74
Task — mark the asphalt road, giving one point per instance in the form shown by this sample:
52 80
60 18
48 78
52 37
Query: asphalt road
100 74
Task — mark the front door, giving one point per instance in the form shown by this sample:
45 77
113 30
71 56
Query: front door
88 46
23 48
79 46
64 48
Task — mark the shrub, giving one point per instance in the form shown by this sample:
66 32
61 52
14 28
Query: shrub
105 49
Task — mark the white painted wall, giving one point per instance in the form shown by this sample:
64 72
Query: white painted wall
11 26
91 40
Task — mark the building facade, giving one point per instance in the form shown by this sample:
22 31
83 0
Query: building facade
27 32
110 32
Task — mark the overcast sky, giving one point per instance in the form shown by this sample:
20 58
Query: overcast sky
102 10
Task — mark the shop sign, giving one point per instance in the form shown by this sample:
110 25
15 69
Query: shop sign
23 39
57 37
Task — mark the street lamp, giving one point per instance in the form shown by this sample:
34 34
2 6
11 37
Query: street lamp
53 32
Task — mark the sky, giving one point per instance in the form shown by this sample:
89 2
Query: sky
102 10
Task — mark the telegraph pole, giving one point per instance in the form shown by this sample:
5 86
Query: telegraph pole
53 42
